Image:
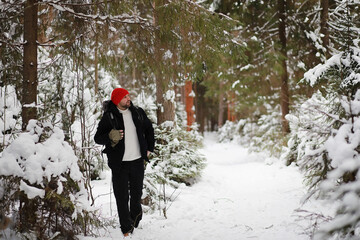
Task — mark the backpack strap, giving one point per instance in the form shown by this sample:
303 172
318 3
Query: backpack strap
112 118
140 115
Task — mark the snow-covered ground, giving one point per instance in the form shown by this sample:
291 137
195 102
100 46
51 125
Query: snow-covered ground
240 195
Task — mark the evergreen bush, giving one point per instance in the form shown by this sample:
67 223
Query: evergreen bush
262 134
267 133
230 131
42 187
175 161
325 141
343 147
311 126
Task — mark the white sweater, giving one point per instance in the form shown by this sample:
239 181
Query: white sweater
132 146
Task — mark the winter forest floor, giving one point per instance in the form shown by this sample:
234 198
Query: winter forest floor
240 195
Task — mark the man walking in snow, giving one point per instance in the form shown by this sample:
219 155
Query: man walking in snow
128 135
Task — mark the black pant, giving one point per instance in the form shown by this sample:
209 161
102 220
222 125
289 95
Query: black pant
128 180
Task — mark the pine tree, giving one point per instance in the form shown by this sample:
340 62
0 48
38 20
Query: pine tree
324 142
342 148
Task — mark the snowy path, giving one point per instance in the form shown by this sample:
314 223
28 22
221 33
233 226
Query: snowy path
238 197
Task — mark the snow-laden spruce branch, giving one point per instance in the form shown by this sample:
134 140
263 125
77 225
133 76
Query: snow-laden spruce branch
314 75
124 18
190 2
80 4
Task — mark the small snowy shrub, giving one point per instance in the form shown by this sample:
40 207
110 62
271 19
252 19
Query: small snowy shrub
69 102
42 186
267 133
311 126
262 134
175 160
230 131
343 147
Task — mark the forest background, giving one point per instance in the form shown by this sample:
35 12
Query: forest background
278 76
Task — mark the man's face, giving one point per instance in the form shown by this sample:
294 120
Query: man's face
124 103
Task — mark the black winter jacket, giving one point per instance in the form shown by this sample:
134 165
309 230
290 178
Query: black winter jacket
144 130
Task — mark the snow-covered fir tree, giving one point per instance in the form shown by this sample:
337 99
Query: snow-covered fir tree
42 187
325 140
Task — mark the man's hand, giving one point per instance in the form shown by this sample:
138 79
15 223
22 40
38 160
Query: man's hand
115 136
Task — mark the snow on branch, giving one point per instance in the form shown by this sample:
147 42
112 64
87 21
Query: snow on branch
337 61
124 18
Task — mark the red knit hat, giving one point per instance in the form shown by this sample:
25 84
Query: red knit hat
118 94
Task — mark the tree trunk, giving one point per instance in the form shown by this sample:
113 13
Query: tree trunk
221 107
96 62
164 99
166 107
96 57
324 4
30 83
284 96
189 104
200 106
231 107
